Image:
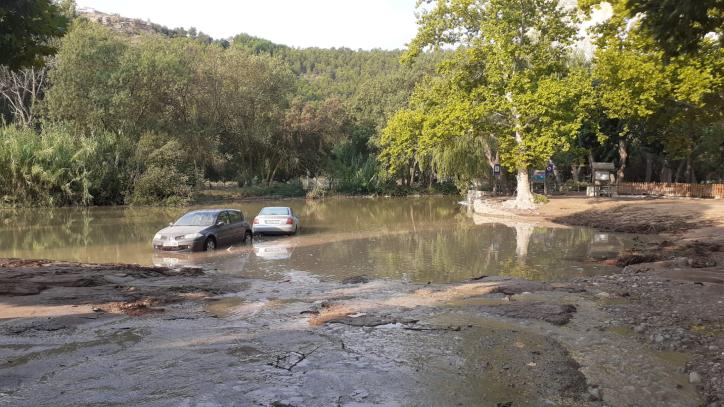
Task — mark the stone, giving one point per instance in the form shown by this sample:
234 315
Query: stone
603 294
594 393
694 378
640 328
356 280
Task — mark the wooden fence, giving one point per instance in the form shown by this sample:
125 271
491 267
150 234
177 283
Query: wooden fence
665 189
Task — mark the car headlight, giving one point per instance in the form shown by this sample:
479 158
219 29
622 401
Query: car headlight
157 236
193 236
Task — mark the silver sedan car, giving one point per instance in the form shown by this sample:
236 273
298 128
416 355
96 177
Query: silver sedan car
276 220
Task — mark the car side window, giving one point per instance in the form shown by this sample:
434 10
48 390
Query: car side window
235 216
223 217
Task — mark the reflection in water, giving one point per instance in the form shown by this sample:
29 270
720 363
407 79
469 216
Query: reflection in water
274 248
422 239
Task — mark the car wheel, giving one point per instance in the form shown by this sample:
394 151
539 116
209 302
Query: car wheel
210 244
248 236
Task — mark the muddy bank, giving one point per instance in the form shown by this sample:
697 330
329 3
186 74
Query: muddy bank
668 295
671 307
46 287
302 341
670 292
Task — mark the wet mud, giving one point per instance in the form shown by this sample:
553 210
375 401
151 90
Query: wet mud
303 341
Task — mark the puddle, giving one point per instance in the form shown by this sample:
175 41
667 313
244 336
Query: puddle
225 307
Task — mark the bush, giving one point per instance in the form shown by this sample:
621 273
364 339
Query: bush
55 168
540 199
162 185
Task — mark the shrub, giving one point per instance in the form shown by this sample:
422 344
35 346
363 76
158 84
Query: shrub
56 168
540 199
162 185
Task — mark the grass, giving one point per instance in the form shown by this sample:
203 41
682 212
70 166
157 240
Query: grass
275 190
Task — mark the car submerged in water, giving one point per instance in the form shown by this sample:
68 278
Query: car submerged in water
203 230
276 220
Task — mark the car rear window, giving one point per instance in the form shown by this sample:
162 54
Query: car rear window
274 211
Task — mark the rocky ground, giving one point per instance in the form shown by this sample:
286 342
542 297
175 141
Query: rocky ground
87 334
670 293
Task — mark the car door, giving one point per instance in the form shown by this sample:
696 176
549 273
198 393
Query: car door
244 225
224 230
238 225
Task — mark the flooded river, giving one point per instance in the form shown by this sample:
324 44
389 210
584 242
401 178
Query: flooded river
410 239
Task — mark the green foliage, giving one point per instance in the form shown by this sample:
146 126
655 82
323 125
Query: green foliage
507 88
540 199
161 185
58 168
276 189
679 26
27 29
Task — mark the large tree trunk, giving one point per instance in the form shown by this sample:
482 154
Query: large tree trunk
492 159
575 172
690 176
665 172
679 171
524 196
623 157
649 166
557 176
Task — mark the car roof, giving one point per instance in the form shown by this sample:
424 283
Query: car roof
276 207
213 210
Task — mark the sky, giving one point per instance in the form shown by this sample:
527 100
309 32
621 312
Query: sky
355 24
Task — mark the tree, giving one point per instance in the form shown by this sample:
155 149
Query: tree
510 63
631 86
27 28
22 90
679 25
650 97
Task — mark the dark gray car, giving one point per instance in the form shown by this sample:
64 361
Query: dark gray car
202 230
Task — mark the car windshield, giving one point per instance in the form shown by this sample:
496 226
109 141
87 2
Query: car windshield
274 211
197 219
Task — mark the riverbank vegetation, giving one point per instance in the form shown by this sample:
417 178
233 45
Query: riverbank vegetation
114 111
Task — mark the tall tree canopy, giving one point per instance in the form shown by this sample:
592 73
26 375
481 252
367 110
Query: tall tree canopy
27 28
680 25
510 78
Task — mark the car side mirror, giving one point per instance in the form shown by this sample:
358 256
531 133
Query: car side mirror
170 223
220 223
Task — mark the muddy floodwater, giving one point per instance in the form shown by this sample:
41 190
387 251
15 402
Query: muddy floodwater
411 239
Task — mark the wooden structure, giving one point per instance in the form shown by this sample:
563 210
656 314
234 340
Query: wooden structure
672 189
